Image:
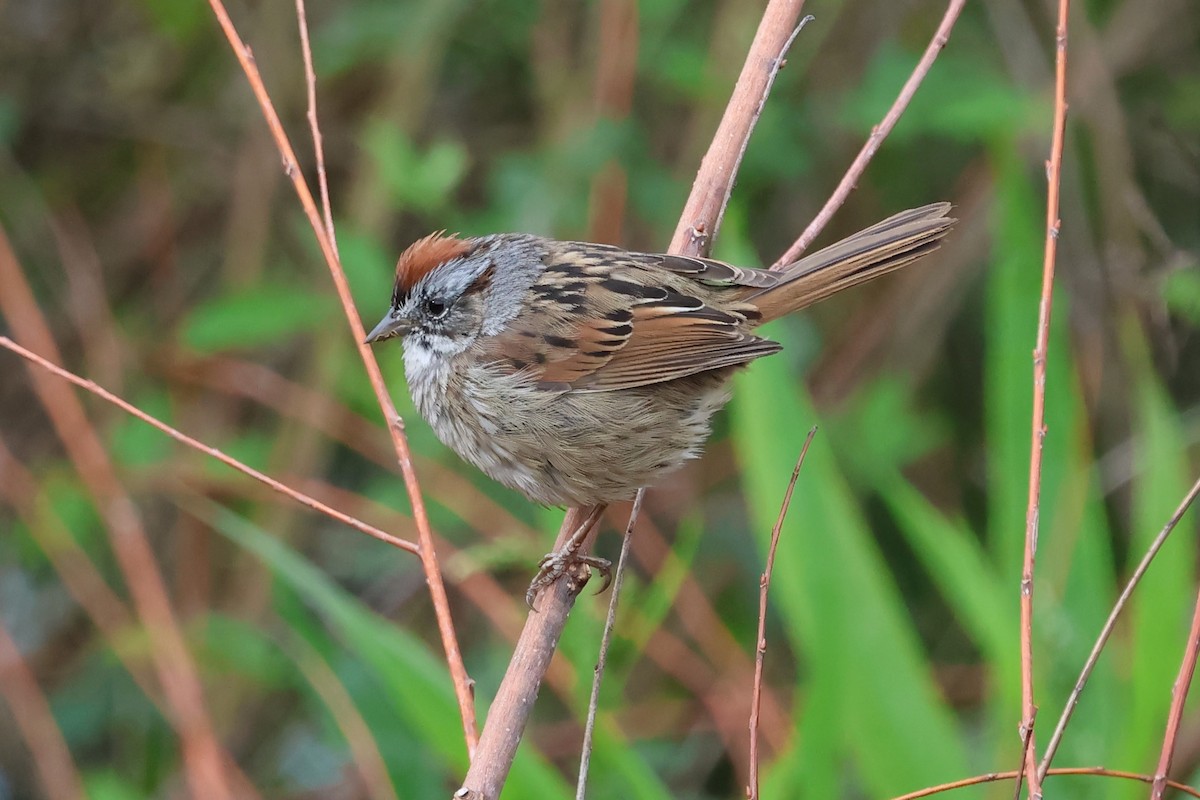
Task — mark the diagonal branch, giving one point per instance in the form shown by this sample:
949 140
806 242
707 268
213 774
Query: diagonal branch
878 134
209 450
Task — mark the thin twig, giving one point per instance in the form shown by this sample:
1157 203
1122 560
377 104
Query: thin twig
1038 437
878 134
429 562
764 586
701 218
209 450
992 777
1026 741
310 84
589 728
1179 693
1111 623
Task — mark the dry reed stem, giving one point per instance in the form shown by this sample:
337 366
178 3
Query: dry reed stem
1111 623
610 621
509 713
701 218
510 709
428 553
878 134
31 712
1038 437
195 444
314 126
202 755
992 777
1179 693
764 586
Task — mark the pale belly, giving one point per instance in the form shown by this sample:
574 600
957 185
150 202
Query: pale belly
570 448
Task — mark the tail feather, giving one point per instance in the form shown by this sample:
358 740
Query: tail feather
885 246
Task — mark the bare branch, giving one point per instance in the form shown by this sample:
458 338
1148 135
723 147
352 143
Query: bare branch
878 134
764 585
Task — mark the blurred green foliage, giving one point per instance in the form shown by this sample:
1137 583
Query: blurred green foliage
171 259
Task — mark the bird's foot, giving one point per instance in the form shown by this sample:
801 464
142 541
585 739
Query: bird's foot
574 566
568 562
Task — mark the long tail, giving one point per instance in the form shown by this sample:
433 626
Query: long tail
885 246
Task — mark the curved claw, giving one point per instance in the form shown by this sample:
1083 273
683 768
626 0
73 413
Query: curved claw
554 566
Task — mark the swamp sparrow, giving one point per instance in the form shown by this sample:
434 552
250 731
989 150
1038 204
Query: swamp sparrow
578 373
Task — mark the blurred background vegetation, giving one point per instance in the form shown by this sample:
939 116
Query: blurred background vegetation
148 209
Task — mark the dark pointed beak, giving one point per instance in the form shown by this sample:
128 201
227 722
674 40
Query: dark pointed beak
389 326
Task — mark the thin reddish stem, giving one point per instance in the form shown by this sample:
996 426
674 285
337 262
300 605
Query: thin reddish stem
429 561
764 586
208 450
610 621
310 84
1111 623
1179 693
878 134
992 777
1038 436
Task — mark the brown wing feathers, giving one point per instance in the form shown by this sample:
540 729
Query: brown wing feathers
610 320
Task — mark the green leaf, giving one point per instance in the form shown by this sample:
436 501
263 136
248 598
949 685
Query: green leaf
421 180
255 317
1182 292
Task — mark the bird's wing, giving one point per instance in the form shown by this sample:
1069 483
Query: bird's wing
591 326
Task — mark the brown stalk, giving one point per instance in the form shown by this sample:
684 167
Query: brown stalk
992 777
203 756
702 213
878 134
429 561
1053 224
509 712
31 712
1111 623
314 126
1179 693
179 436
702 623
88 588
610 621
764 586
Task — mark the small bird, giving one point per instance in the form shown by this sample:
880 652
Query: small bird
578 373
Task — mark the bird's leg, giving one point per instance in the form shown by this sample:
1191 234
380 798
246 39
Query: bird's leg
568 561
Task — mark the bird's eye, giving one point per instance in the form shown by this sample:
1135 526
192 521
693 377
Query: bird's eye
436 308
